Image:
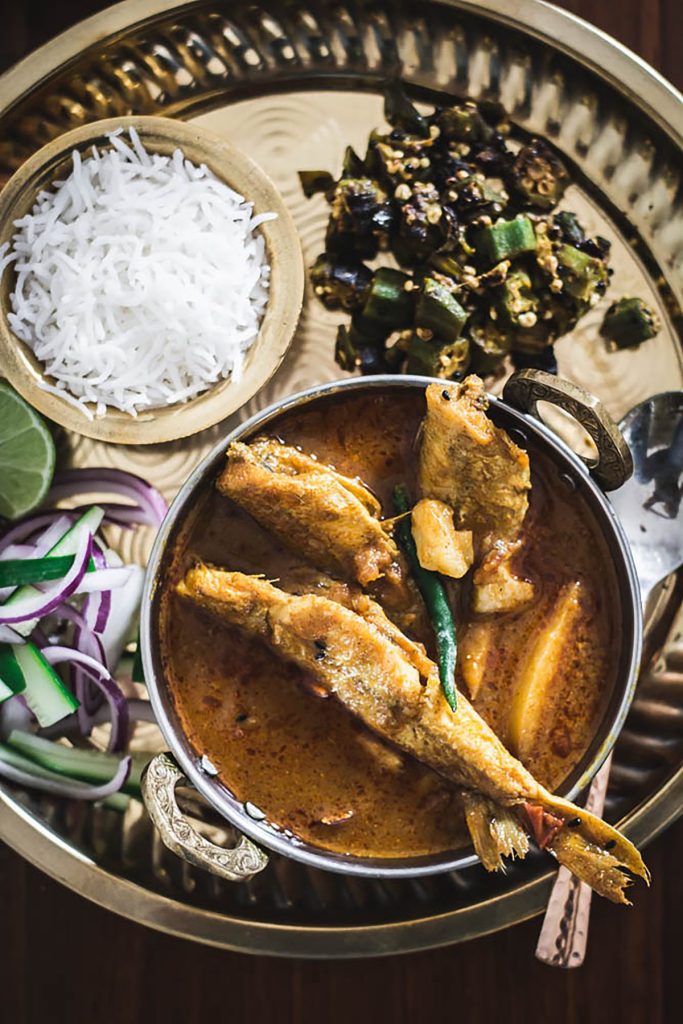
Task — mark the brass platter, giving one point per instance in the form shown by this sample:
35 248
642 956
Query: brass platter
292 84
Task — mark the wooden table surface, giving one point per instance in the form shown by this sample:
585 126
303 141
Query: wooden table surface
64 959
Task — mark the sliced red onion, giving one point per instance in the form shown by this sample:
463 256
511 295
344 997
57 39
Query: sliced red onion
15 714
127 516
54 522
103 579
103 611
139 710
9 636
85 642
18 551
39 637
89 695
114 481
40 603
120 723
96 610
38 548
98 555
69 788
71 614
47 540
123 617
96 607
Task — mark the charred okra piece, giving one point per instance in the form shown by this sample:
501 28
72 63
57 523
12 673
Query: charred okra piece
439 312
313 182
355 352
389 304
400 112
463 123
353 166
538 175
505 239
360 218
584 277
628 322
424 224
570 229
517 305
436 359
340 285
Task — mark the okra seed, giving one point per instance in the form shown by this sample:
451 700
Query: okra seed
527 319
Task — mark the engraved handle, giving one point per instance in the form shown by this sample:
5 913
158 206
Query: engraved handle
527 388
159 780
564 935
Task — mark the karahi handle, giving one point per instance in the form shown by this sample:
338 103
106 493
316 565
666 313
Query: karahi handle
614 464
158 784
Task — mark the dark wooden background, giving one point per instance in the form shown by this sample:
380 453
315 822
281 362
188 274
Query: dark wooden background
64 959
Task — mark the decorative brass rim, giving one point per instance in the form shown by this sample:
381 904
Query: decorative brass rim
650 95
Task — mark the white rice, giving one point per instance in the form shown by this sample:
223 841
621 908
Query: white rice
141 279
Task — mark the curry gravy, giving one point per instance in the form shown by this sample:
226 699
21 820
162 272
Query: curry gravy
304 759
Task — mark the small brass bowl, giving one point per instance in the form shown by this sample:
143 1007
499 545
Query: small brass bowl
236 169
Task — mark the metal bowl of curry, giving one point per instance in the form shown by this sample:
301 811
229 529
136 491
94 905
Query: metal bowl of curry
250 590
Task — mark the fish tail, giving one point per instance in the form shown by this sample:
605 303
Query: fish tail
496 831
591 849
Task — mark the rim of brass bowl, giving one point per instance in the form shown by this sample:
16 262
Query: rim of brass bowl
240 172
218 794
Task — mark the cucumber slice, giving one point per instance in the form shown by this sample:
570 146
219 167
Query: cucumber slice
10 674
45 693
66 545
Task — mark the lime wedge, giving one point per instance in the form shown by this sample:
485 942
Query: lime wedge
27 455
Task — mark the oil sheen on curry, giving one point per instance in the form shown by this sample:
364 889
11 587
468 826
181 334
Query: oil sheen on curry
286 616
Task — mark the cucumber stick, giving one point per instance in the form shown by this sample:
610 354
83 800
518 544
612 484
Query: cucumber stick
11 675
18 572
44 691
66 545
86 765
8 755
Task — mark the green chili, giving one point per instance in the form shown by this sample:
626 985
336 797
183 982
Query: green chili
434 596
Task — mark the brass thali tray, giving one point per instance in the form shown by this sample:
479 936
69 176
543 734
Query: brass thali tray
293 83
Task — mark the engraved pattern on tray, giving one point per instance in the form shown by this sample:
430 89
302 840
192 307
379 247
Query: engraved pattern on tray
293 84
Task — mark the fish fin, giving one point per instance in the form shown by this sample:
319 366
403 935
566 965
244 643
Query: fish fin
594 851
495 830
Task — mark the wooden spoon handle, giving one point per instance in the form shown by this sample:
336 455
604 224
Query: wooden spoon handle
564 935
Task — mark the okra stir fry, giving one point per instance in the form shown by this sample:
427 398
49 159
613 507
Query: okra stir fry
488 267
